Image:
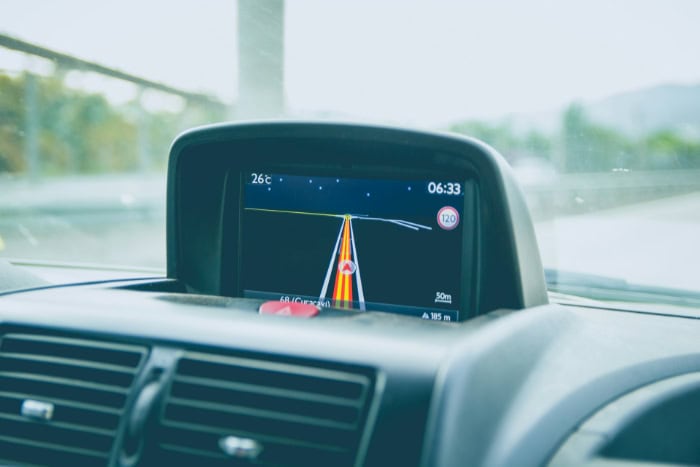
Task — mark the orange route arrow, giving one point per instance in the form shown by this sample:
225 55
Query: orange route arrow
342 291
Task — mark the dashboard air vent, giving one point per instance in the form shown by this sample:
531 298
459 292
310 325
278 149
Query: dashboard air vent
277 413
61 398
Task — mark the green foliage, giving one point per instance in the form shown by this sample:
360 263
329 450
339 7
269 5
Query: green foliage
503 137
582 145
670 150
589 147
11 128
80 132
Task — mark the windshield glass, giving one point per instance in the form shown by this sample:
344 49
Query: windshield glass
596 106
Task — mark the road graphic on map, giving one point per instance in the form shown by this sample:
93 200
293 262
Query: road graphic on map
344 262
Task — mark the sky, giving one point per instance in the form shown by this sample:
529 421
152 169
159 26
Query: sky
422 62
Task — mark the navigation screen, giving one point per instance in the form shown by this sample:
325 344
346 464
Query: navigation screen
366 244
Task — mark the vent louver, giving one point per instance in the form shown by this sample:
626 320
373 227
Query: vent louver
300 415
84 382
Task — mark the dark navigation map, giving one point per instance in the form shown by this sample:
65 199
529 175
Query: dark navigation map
385 245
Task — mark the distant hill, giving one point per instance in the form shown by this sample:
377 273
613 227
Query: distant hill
668 106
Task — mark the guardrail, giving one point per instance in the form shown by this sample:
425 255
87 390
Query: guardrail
74 63
562 194
31 127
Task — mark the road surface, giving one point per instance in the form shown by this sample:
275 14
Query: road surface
652 243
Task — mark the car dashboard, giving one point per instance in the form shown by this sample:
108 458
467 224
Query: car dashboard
189 369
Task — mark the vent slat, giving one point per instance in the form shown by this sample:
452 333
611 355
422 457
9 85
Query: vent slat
262 373
63 368
236 409
39 387
63 381
114 354
63 413
268 391
85 381
70 362
195 451
301 414
65 402
56 433
255 425
273 453
58 424
17 450
267 457
266 407
191 431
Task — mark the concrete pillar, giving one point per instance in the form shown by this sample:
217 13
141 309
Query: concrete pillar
260 59
31 125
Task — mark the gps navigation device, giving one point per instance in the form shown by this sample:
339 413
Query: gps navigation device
350 218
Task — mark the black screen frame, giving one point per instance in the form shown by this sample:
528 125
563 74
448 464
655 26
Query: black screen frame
204 195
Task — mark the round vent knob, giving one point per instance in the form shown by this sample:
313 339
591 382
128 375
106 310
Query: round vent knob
242 448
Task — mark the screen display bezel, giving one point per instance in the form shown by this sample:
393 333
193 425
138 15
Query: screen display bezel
232 215
204 195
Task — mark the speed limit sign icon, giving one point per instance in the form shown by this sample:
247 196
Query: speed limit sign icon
448 218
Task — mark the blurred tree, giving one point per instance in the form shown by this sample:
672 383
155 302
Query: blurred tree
589 147
80 132
11 124
539 144
502 137
668 150
499 136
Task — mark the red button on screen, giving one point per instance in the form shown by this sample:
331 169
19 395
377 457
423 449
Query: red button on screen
300 310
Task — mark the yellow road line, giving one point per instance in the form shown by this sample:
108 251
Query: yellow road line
295 212
342 294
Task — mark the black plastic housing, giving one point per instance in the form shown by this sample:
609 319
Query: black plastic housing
501 262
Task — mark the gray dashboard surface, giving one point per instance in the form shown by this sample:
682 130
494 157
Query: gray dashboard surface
506 388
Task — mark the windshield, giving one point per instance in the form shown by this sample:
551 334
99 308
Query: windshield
595 105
